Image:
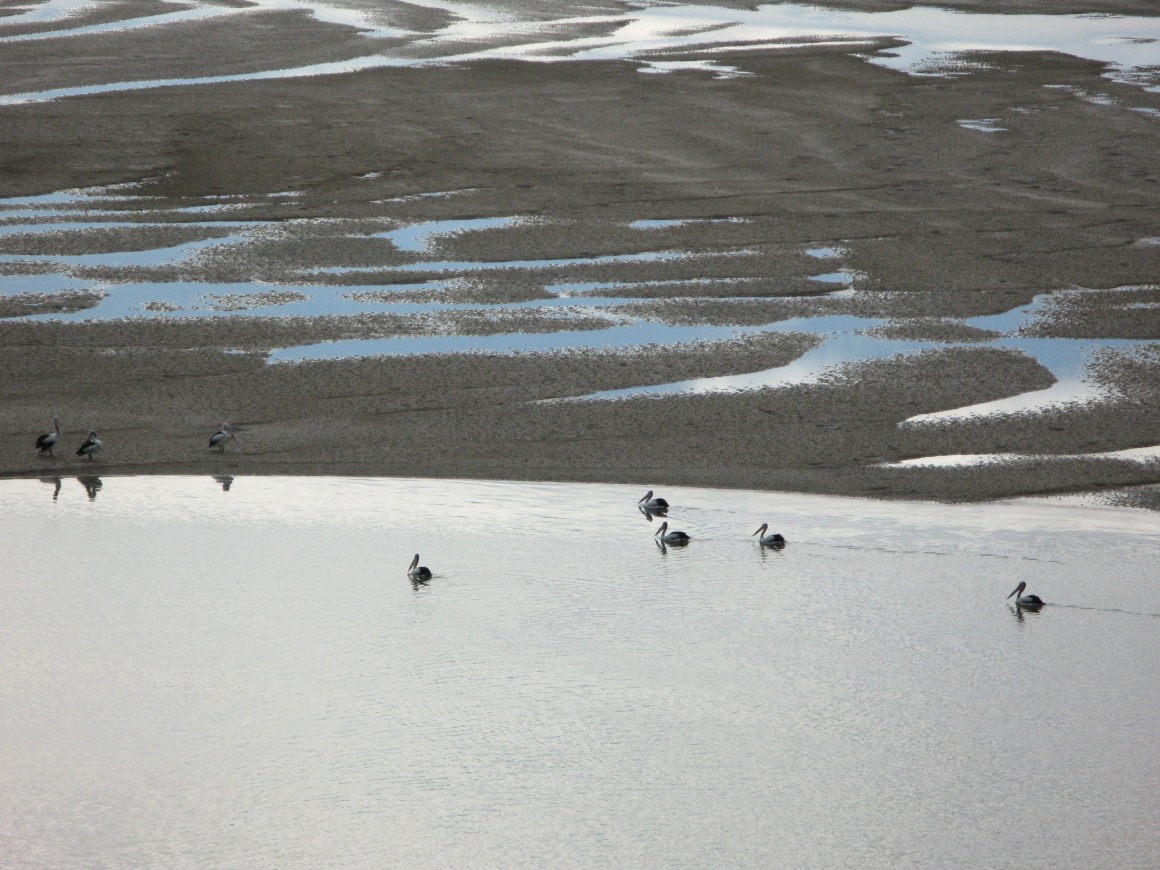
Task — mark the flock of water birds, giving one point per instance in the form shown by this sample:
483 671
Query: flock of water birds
654 506
650 505
48 441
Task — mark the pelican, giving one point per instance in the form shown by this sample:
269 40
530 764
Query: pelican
653 504
772 540
218 438
1025 600
417 571
671 537
46 442
92 445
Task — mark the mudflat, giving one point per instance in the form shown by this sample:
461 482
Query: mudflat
994 182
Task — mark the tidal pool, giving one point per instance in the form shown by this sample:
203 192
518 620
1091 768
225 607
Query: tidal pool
238 673
931 40
846 339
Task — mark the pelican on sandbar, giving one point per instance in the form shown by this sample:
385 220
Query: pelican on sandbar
671 537
1025 600
48 441
218 438
771 540
417 571
653 504
92 445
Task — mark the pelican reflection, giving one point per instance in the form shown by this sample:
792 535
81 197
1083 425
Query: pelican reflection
55 481
226 480
651 513
1020 609
92 485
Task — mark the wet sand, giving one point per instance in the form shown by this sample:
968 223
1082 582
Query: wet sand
814 146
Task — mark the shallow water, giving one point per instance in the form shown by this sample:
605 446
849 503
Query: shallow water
845 338
933 40
238 673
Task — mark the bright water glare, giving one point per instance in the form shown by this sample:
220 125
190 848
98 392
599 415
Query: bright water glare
220 672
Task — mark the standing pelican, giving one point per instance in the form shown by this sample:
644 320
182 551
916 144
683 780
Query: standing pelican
48 441
92 445
1025 600
218 438
671 537
772 540
653 504
417 571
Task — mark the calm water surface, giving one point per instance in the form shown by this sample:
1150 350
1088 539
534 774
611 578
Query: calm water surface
201 677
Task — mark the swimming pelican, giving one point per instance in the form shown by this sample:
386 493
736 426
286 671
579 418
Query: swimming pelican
218 438
772 540
46 442
417 571
92 445
1025 600
653 504
671 537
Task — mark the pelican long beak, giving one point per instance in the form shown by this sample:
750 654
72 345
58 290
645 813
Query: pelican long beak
661 530
764 526
1018 589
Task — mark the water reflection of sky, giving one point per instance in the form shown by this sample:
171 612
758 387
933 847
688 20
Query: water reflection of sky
61 11
247 678
418 237
969 460
931 36
1066 359
495 265
629 336
843 342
